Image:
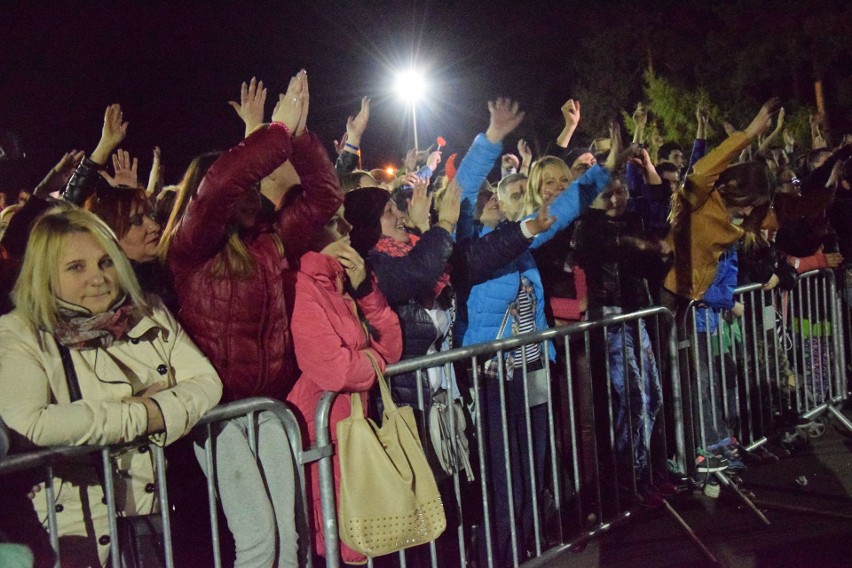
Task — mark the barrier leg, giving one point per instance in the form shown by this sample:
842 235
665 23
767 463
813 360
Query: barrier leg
689 532
728 483
840 417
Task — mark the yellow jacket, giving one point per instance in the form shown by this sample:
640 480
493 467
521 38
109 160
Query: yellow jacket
708 232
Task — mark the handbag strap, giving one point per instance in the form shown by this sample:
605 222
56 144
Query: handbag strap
76 394
505 321
387 399
70 372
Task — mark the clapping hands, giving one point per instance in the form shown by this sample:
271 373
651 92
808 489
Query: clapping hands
250 107
292 106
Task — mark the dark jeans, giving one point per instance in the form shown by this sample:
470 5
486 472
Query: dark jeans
519 459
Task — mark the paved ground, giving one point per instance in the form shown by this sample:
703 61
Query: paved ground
733 534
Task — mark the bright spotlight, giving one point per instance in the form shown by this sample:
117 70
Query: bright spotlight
410 85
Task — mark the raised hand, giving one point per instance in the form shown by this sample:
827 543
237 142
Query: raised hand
67 164
340 146
288 110
302 126
760 123
509 162
126 170
59 174
448 214
702 115
250 107
525 152
433 160
419 206
410 162
542 221
356 125
505 117
155 177
789 140
112 133
571 114
616 158
640 116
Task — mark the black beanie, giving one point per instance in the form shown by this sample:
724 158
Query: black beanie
364 207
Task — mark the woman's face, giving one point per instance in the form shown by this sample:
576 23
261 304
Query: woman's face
738 213
491 216
337 229
583 163
247 210
87 275
393 223
554 180
141 240
616 197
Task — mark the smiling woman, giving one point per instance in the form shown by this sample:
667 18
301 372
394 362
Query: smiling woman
140 378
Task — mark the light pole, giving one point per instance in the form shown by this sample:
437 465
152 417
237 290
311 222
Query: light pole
410 86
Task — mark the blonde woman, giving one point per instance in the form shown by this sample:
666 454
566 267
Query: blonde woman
140 377
549 176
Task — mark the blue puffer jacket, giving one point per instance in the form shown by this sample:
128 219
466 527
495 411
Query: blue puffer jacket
720 295
489 300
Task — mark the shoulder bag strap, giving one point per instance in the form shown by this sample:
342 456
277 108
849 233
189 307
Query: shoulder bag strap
70 372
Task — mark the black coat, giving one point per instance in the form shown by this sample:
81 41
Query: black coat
615 267
408 283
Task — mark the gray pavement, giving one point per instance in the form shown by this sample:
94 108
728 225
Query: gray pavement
817 534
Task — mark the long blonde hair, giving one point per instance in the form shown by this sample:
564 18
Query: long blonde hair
34 294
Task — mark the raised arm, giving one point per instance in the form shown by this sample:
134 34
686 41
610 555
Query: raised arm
309 206
640 119
571 116
58 176
699 146
505 117
707 170
349 147
201 232
86 178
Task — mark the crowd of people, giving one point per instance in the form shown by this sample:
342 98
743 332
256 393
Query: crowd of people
132 308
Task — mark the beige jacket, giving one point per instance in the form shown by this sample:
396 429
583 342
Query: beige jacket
35 403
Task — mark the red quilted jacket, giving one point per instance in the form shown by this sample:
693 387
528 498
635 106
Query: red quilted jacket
242 325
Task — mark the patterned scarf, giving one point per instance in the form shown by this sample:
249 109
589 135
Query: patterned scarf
392 247
78 328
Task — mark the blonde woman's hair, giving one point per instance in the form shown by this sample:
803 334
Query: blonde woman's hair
34 294
532 199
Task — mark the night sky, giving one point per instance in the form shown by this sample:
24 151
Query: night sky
174 65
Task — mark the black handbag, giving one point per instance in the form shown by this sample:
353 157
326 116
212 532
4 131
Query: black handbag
140 541
140 538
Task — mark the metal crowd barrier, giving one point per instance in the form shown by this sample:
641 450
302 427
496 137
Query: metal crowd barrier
588 483
782 360
49 459
778 368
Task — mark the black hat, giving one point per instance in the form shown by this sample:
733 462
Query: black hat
364 207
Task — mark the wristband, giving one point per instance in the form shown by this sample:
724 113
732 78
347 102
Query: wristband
351 147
